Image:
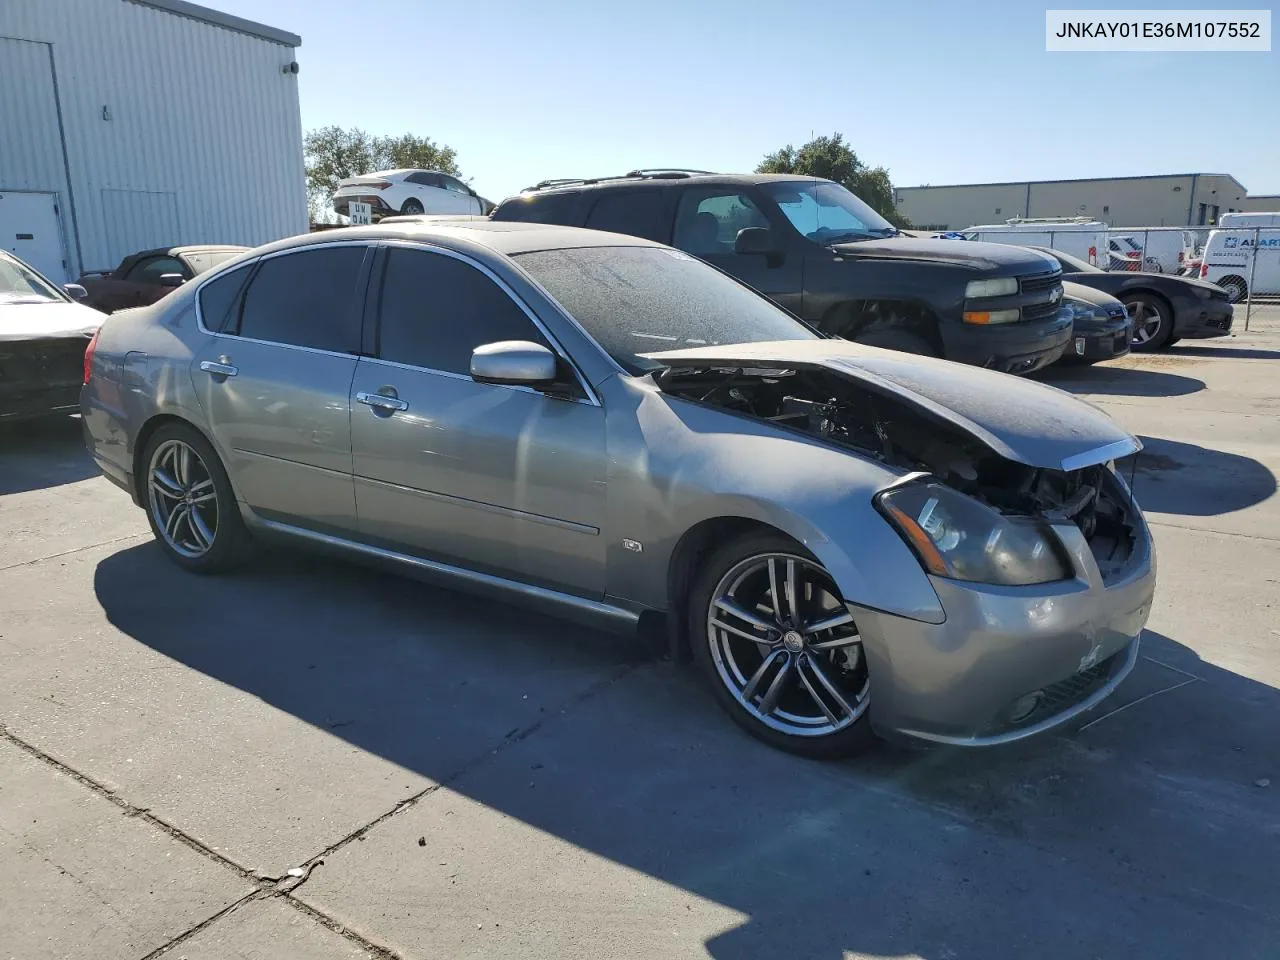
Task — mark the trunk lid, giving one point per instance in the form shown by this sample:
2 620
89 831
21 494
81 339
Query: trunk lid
1027 422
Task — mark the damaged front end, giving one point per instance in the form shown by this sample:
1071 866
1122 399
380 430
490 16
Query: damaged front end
1007 504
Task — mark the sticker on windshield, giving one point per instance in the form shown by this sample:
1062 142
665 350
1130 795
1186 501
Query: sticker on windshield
678 255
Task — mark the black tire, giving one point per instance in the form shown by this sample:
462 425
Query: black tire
1142 307
1236 287
708 646
412 205
231 543
892 338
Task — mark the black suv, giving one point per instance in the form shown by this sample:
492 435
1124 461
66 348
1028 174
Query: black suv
823 254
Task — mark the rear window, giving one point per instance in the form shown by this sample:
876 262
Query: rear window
633 212
556 208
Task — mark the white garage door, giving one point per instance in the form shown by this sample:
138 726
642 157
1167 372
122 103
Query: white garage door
29 228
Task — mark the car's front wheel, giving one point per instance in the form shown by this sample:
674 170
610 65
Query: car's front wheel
1152 324
190 504
781 650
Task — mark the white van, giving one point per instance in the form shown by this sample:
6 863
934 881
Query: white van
1231 249
1078 236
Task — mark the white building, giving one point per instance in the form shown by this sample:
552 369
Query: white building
131 124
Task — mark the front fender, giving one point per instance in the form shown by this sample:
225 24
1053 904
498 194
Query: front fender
675 464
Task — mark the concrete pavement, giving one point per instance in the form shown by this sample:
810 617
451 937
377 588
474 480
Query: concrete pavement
462 780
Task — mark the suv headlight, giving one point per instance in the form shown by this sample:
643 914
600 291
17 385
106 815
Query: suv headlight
1000 287
955 536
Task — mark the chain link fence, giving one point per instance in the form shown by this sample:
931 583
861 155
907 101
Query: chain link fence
1243 261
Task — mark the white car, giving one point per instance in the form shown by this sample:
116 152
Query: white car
43 336
408 191
1244 252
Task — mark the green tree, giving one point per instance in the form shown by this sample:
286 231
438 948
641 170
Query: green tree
334 153
831 158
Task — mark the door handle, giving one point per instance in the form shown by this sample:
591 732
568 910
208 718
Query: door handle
382 402
218 370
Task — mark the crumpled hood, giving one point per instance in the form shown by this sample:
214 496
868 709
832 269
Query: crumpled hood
47 320
1021 420
971 253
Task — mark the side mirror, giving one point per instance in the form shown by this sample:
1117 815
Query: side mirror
76 291
172 279
753 240
513 362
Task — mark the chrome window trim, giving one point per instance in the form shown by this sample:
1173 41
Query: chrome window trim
428 247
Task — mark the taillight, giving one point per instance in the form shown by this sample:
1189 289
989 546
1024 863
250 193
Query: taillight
88 354
1204 270
377 184
1093 256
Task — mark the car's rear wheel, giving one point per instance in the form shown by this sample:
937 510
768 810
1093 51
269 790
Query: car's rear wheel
1236 287
412 206
190 504
779 647
1152 324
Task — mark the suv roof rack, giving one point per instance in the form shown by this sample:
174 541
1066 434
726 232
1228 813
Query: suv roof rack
645 173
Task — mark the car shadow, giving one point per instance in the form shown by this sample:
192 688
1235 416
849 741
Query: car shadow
43 453
1236 353
1142 834
1118 381
1169 476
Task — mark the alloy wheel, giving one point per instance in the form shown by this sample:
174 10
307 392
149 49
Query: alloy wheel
183 500
786 647
1146 321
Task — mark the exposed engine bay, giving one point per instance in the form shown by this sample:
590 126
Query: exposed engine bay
835 409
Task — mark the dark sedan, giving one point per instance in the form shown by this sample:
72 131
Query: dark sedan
1163 308
1099 324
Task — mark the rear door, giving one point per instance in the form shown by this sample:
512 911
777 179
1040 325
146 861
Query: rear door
707 221
502 479
274 378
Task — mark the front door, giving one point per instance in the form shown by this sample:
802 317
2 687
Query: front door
501 479
275 378
706 225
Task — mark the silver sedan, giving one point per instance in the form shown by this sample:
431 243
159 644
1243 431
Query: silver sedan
848 541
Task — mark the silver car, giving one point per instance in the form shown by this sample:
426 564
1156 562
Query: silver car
848 541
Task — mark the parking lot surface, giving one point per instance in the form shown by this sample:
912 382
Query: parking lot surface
308 759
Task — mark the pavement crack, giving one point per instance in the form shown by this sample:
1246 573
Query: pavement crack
130 810
208 921
68 553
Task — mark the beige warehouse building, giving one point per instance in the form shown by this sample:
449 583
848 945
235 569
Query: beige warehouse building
1187 199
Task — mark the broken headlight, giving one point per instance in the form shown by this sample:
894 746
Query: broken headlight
955 536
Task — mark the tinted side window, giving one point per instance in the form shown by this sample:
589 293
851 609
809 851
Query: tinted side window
634 212
220 296
436 309
153 268
557 208
451 184
425 179
709 221
306 299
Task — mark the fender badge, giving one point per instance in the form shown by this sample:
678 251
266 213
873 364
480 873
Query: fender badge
635 546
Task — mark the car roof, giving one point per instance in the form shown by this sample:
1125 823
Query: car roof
502 237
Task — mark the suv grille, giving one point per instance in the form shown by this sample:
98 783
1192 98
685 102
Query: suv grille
1041 282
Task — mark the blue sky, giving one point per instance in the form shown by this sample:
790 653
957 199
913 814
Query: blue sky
938 92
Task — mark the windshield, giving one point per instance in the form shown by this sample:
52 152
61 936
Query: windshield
204 260
635 300
20 284
1069 263
826 212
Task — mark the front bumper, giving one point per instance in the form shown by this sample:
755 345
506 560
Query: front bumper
966 681
1207 318
1098 341
1022 347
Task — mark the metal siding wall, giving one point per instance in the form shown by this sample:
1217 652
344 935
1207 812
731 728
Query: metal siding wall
197 110
30 145
139 220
